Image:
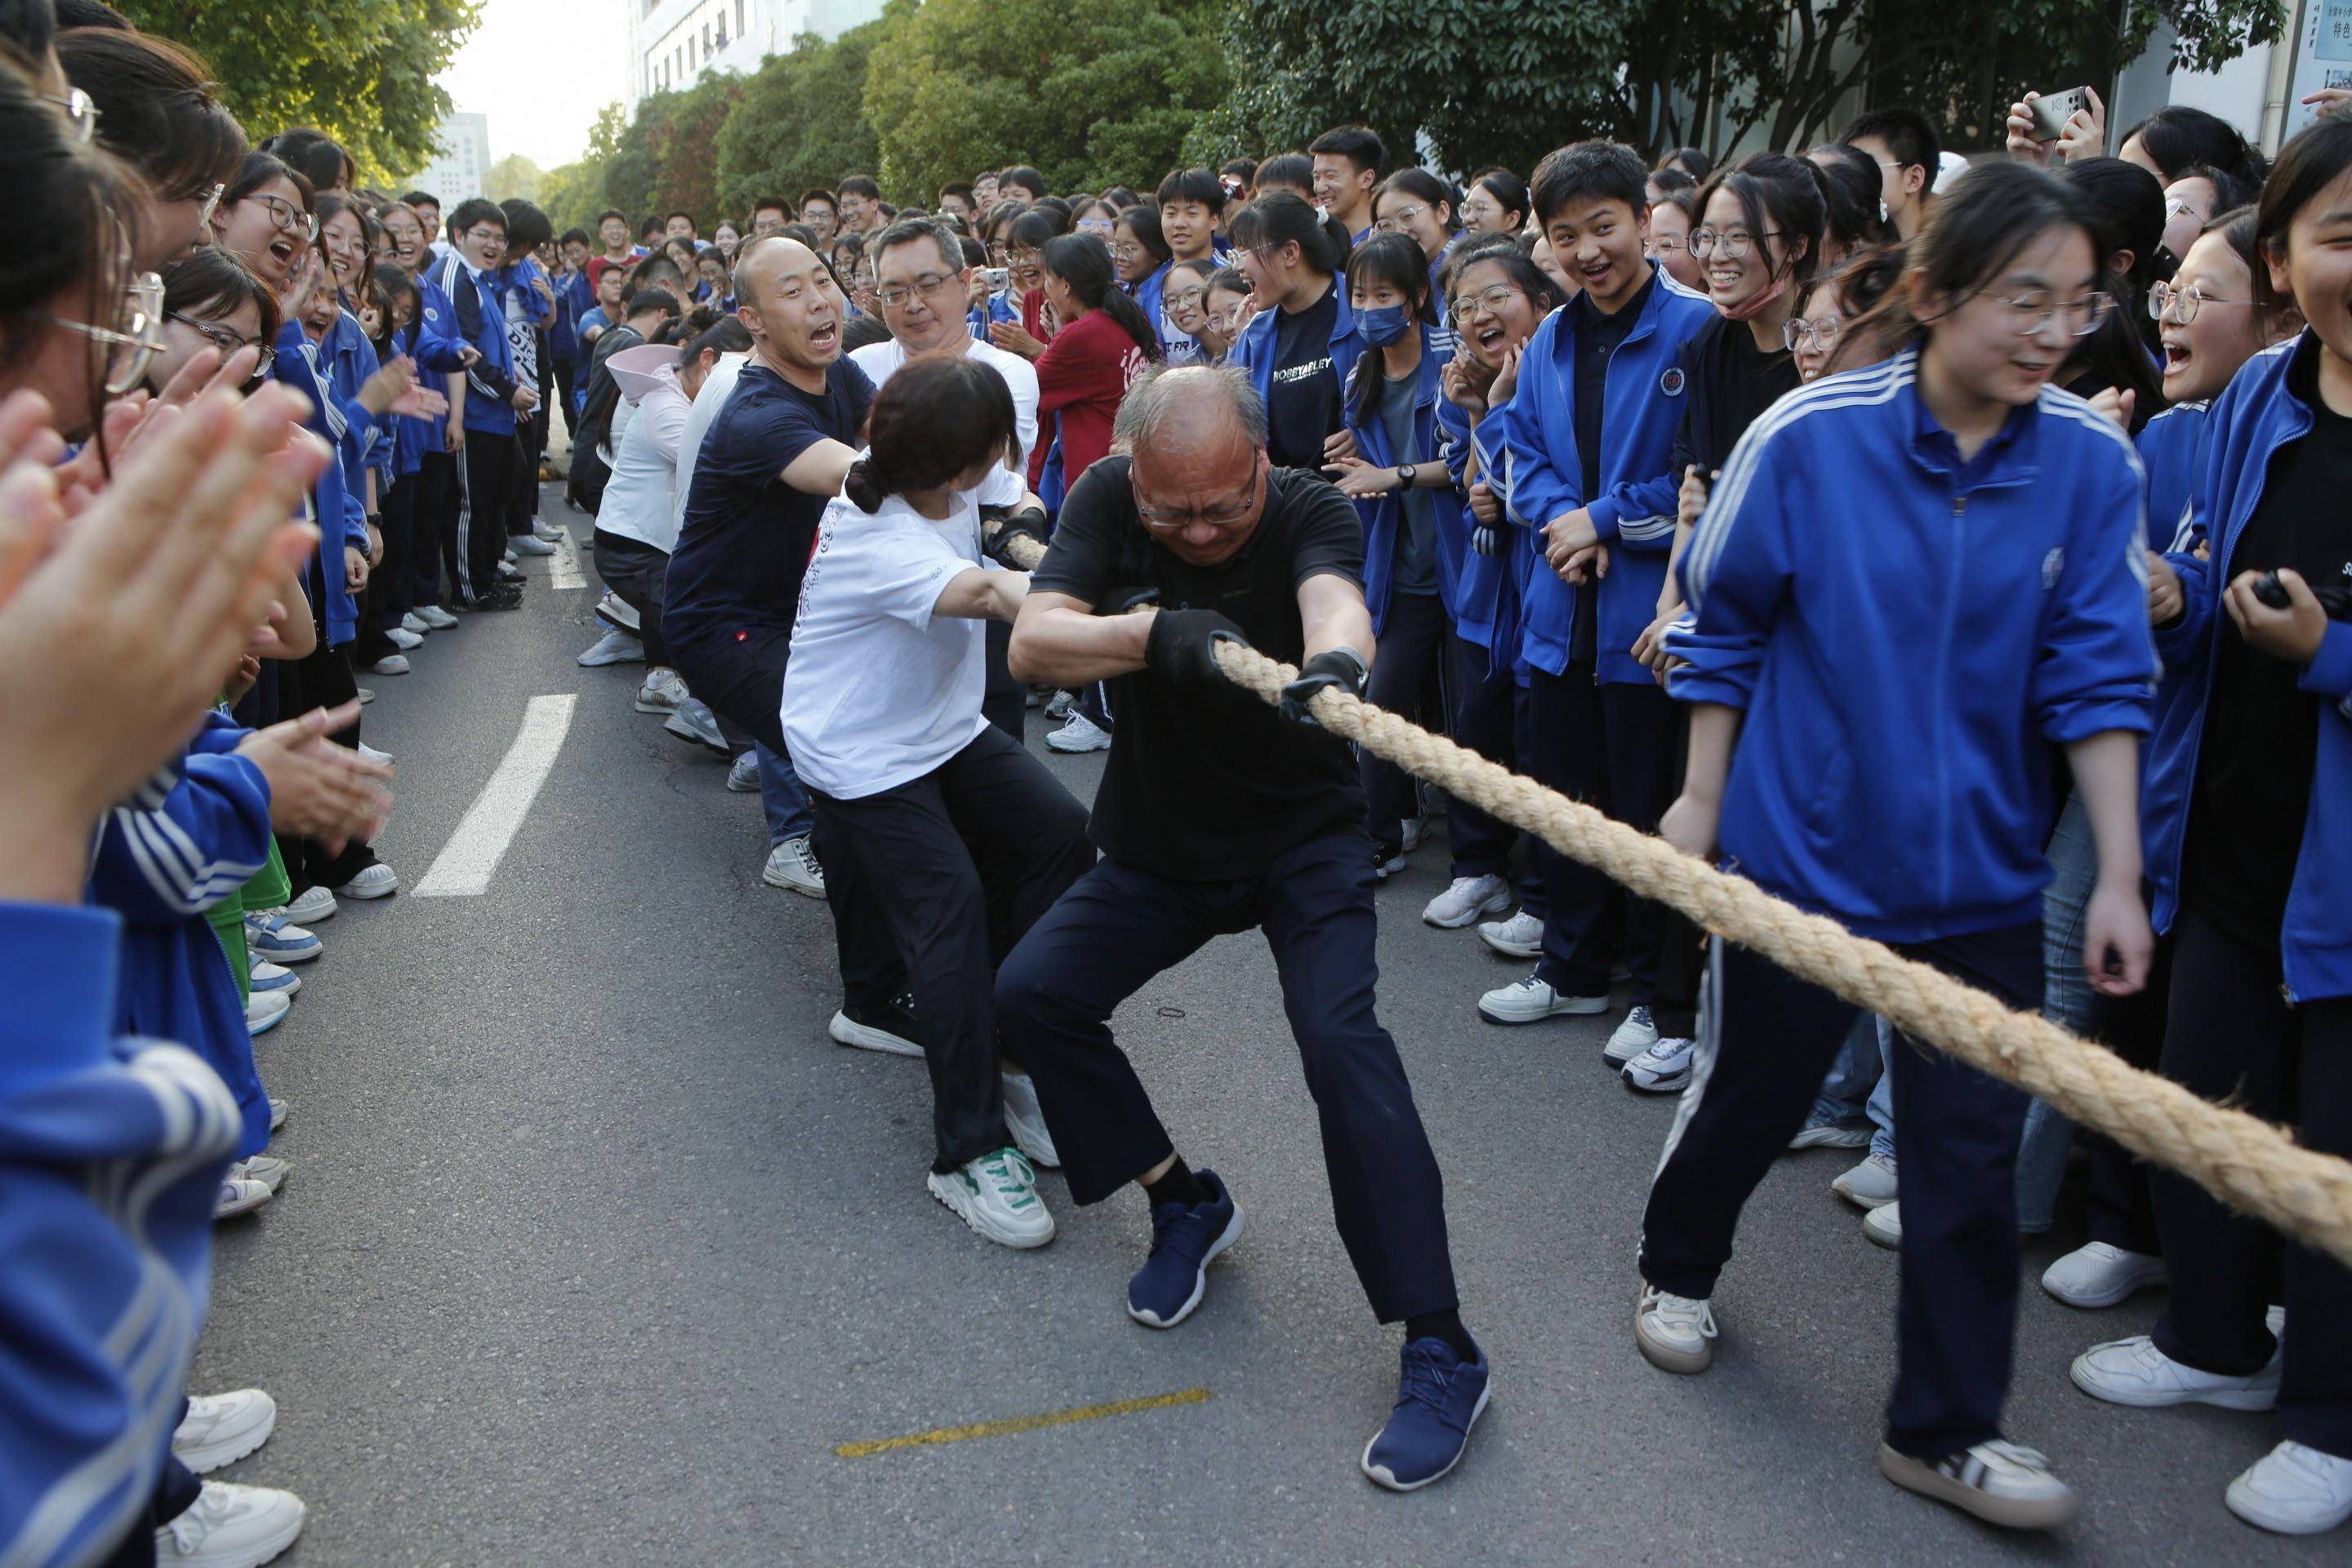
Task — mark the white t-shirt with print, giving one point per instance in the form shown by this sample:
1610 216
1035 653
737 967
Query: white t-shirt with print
879 690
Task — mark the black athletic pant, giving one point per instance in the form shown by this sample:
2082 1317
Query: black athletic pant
1767 1040
1484 703
392 587
740 674
2231 1035
639 573
1682 946
1004 702
482 479
1610 745
522 483
322 679
1120 927
943 874
1412 642
434 529
2117 1206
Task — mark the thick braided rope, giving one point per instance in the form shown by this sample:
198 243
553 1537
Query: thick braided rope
2241 1160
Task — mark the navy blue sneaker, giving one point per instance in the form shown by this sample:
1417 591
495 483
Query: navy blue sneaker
1169 1284
1440 1397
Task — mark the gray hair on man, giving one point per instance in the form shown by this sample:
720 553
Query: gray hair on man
1164 392
914 231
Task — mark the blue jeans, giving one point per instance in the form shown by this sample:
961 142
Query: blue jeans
789 814
2066 1001
1860 1082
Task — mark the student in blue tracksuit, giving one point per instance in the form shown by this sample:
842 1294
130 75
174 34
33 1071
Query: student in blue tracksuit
1400 483
1910 585
1589 442
478 313
1417 204
2251 872
1139 253
1499 298
575 298
1303 342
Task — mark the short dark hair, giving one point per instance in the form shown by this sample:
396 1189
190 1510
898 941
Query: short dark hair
1023 176
1908 134
575 236
648 298
1356 144
420 199
768 203
861 185
686 215
827 197
1193 185
652 226
1242 169
320 157
656 270
974 253
527 225
1286 170
612 212
958 188
728 335
474 210
1603 170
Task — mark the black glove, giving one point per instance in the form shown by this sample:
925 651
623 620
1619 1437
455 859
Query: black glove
1335 669
1124 601
1182 646
1027 523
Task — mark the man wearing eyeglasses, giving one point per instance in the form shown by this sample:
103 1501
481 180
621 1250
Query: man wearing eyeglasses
922 284
1216 815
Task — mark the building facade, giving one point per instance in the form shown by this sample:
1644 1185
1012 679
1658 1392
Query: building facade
673 42
462 166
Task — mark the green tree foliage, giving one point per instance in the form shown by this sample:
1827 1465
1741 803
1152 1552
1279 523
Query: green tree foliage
361 70
686 153
572 195
1092 93
799 122
513 175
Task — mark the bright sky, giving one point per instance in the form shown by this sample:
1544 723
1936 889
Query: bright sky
541 69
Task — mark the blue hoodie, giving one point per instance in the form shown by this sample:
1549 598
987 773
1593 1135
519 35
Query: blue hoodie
338 514
1384 514
111 1158
2258 414
1909 635
2170 447
1485 595
477 316
1641 408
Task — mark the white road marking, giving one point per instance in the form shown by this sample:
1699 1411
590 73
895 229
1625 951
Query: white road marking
563 566
471 857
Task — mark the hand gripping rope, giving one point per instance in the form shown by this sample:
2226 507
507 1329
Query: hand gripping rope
2244 1161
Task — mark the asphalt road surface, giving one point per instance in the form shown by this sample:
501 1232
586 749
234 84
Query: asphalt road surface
596 1249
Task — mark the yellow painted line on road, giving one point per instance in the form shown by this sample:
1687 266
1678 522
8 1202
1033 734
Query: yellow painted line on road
1023 1423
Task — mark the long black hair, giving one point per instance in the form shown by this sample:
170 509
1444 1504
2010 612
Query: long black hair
1281 218
1852 186
157 109
932 422
1776 192
1510 194
1083 263
2179 137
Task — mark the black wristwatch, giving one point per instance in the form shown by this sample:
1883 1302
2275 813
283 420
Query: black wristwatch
1404 475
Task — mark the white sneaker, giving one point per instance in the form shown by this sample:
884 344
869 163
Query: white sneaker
1869 1184
436 618
2096 1275
1884 1226
265 1010
1637 1034
1411 830
276 1113
1663 1068
615 610
390 664
1531 1001
222 1428
416 622
403 640
1832 1135
267 1169
238 1197
542 529
1026 1119
1521 936
996 1196
316 904
229 1526
743 774
614 648
1057 707
507 556
378 881
1674 1333
263 976
530 544
1080 734
663 691
373 753
367 695
1465 899
792 864
2134 1372
2001 1483
2294 1490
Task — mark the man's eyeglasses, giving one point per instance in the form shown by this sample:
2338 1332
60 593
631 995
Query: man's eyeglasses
2030 314
130 349
1731 245
1222 516
290 218
926 287
1404 216
1494 299
226 339
1820 333
81 112
2181 303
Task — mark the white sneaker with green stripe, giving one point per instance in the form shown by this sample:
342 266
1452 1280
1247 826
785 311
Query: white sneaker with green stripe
996 1194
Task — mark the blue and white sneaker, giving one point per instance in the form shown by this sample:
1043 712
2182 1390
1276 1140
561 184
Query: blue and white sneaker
1183 1243
1440 1397
274 937
267 976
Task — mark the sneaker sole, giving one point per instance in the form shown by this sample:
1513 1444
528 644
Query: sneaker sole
285 987
1673 1083
1231 1233
363 894
1667 1358
642 706
1381 1478
1022 1243
786 882
1513 950
2258 1514
1616 1059
1583 1007
2112 1297
847 1031
691 739
2220 1398
587 663
244 1205
263 1551
1497 905
1831 1137
1074 751
205 1458
1857 1200
285 960
2010 1513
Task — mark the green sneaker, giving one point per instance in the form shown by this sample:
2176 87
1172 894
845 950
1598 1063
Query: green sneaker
996 1194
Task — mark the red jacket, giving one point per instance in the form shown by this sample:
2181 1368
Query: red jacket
1081 376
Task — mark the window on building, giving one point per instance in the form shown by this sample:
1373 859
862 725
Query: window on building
738 18
689 51
722 29
705 40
